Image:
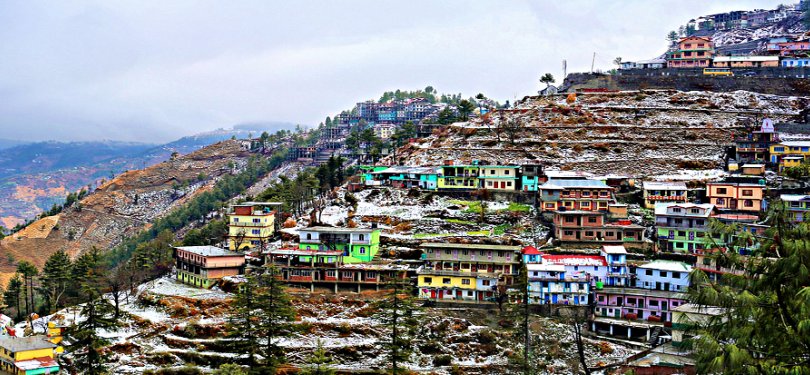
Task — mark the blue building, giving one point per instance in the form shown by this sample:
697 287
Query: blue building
795 62
666 275
617 273
552 284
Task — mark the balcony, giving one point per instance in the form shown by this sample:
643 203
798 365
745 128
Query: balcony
435 272
246 224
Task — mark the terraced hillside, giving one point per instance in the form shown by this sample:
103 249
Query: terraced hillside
638 133
122 206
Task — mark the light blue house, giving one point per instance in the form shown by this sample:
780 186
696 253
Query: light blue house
552 284
795 62
667 275
617 273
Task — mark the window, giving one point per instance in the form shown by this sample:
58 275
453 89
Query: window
309 236
568 233
722 191
653 302
663 273
676 275
236 220
506 172
589 233
446 281
469 293
491 171
485 282
569 219
586 204
465 282
586 193
550 205
428 280
362 237
603 193
257 221
648 272
681 233
256 232
447 251
748 203
747 193
676 209
362 250
489 183
592 219
465 252
695 211
508 183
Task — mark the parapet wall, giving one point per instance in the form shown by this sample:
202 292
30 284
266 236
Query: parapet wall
777 81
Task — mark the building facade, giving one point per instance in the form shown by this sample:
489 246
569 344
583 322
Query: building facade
357 245
204 266
682 227
251 224
735 196
30 355
656 192
692 52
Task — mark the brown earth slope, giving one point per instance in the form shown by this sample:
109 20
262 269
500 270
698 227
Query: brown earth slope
121 207
635 133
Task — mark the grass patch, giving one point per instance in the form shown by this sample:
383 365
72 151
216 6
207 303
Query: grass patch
459 221
501 229
473 207
517 207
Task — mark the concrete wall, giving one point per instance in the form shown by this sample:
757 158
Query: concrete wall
778 81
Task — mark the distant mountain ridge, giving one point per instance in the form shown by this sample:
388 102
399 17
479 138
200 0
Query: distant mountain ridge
35 176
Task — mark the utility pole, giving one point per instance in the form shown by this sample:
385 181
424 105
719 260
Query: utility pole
565 69
593 60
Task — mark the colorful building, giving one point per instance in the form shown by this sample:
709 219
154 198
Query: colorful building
458 177
471 272
204 266
682 227
635 304
251 224
798 207
409 177
617 272
746 61
789 148
576 195
358 245
692 52
30 355
735 196
531 177
755 146
553 284
657 192
795 62
499 177
592 227
665 275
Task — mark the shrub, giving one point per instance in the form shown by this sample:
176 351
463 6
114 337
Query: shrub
442 360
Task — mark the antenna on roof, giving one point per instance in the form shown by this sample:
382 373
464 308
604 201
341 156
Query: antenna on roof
593 60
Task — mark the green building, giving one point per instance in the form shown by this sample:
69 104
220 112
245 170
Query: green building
359 245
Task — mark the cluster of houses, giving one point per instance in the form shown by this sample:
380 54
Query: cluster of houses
700 52
31 355
741 19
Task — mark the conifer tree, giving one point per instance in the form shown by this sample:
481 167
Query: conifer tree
13 295
276 315
318 363
243 323
764 321
519 315
56 279
86 345
397 314
28 272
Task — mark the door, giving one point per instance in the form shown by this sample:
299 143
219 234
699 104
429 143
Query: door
620 301
666 286
658 285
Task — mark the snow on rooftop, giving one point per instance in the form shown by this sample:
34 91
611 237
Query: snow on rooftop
208 251
794 197
668 185
667 265
614 249
575 260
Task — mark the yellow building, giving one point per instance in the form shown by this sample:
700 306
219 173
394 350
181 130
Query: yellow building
251 224
468 272
31 355
499 177
797 151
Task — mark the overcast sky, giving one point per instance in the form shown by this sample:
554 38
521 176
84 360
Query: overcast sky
157 70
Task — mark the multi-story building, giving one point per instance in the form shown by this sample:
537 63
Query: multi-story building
755 146
656 192
798 207
531 177
204 266
251 224
735 196
466 272
592 227
461 177
384 131
28 355
781 150
575 195
617 272
634 304
553 284
666 275
357 245
795 62
682 227
408 177
499 177
692 52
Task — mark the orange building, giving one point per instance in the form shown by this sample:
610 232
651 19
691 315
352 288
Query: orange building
692 52
736 196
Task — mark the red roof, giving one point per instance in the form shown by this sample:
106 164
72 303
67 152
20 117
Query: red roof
575 260
531 250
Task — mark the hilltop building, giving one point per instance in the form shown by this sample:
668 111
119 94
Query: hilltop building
357 245
692 52
204 266
28 355
251 224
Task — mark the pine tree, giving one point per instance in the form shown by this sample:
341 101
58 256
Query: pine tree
318 363
56 279
243 324
28 272
397 314
277 315
230 369
86 345
519 314
764 324
13 294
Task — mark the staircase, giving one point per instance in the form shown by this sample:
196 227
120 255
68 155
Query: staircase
657 330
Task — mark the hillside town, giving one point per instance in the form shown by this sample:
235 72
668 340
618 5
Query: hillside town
579 230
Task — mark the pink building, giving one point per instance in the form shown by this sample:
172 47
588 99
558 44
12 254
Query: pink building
692 52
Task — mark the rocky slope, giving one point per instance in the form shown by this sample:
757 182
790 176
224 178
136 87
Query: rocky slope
122 206
637 133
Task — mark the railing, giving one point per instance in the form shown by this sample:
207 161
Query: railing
241 224
430 271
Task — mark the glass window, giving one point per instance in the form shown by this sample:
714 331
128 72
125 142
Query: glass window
446 280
